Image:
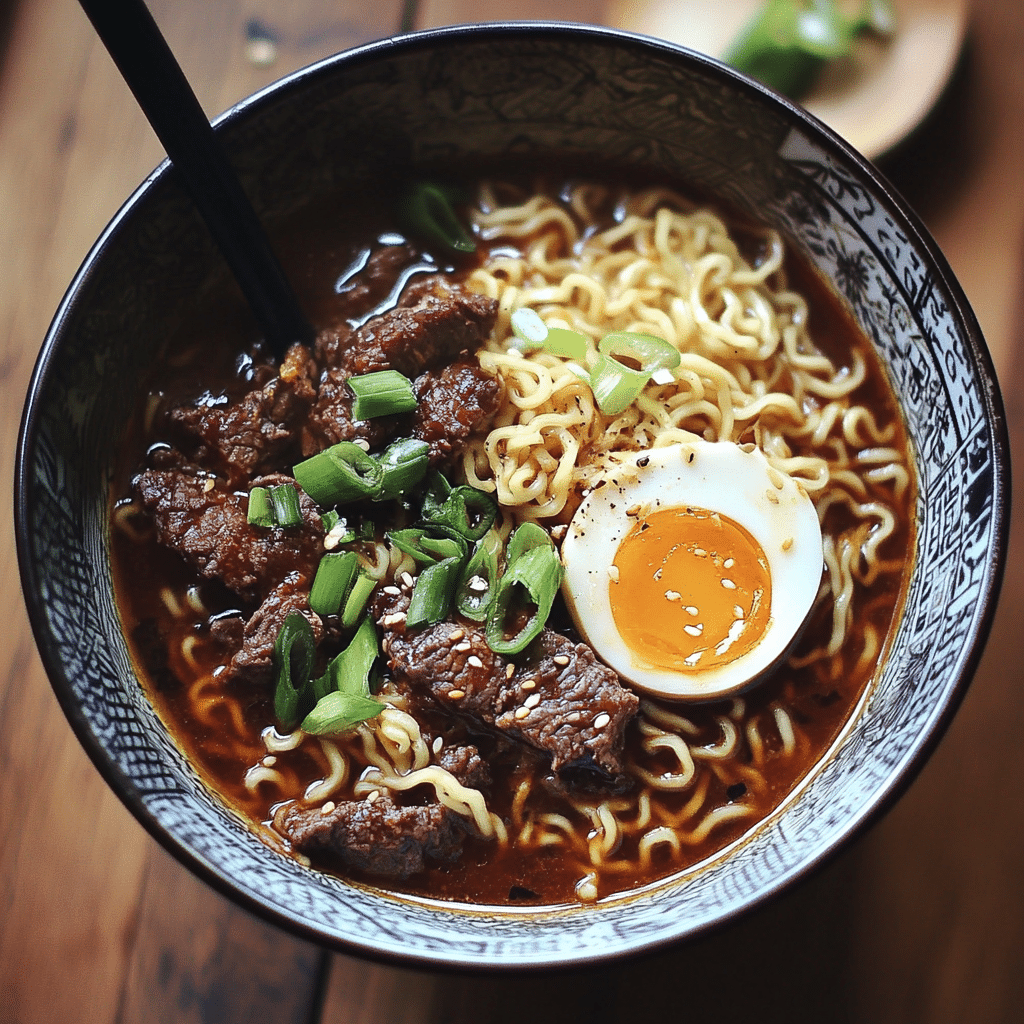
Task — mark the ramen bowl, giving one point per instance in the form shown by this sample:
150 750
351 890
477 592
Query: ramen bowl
493 93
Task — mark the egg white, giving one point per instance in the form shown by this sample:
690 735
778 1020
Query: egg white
720 477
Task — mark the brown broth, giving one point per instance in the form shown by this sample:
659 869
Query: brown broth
222 737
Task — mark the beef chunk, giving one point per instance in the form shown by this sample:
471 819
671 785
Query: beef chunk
410 340
236 439
384 838
581 709
254 657
456 402
206 524
432 333
381 838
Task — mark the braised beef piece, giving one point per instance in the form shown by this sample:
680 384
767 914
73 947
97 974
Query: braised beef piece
206 524
411 340
254 658
555 697
383 837
261 430
453 404
378 278
432 333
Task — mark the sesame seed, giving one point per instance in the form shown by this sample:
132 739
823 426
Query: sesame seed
521 713
602 720
532 701
777 479
392 591
573 716
728 584
692 609
729 563
393 619
328 807
464 646
787 543
209 484
510 670
558 532
269 761
560 659
437 745
694 630
672 595
456 634
407 580
361 442
373 796
477 584
700 552
456 694
474 661
772 497
737 611
613 573
633 510
529 684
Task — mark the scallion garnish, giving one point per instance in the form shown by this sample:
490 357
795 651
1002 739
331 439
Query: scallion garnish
404 463
343 691
261 510
537 575
479 579
615 386
648 352
334 576
563 342
432 594
339 474
355 603
293 658
528 327
427 209
336 713
382 393
285 500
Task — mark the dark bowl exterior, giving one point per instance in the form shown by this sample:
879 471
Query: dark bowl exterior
517 90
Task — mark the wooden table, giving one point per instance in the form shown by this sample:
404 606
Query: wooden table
923 920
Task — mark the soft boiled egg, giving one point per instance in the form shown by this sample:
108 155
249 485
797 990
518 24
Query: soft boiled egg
690 569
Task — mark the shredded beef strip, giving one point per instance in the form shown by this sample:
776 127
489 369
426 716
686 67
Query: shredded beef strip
205 523
582 710
383 837
261 430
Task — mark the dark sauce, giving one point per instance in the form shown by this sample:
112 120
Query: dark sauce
324 249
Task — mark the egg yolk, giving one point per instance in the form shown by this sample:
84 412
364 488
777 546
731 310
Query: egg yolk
690 590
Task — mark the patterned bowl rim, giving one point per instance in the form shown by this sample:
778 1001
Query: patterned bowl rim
882 798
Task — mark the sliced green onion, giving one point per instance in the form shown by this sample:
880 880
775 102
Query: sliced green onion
330 520
649 352
616 387
479 580
339 474
285 500
382 393
527 537
528 327
293 657
333 579
338 712
404 464
538 572
432 594
427 209
350 670
435 495
261 511
465 510
563 342
355 603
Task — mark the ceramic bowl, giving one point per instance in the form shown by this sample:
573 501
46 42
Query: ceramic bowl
455 95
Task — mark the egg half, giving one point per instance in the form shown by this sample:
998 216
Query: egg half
690 569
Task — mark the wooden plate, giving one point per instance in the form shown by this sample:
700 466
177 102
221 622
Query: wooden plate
873 98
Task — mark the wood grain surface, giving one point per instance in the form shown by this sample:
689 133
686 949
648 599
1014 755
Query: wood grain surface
920 921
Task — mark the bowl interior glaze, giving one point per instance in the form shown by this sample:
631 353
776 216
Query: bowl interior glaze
454 95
